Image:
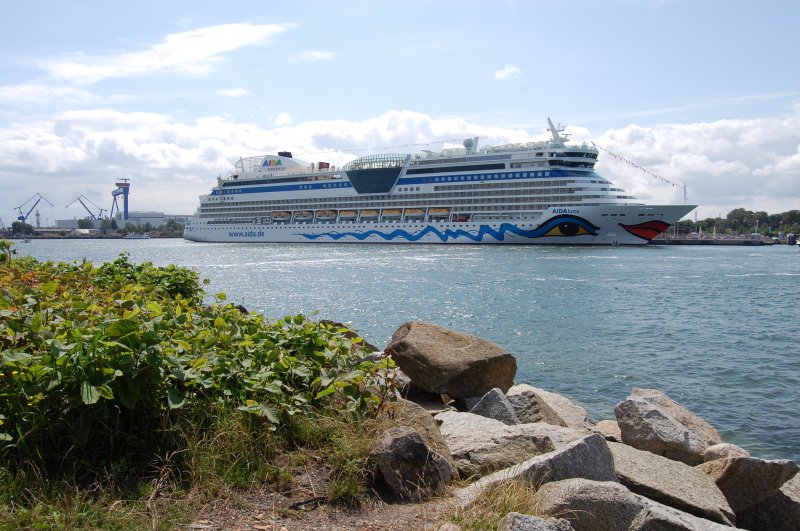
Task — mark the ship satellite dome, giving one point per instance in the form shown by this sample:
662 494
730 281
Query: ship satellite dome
468 143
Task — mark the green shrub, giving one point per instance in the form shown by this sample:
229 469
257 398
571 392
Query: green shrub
108 368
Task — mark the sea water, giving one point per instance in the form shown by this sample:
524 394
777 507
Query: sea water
716 328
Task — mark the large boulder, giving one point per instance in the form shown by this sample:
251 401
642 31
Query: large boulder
670 482
406 413
588 458
724 451
590 505
443 361
745 481
480 445
495 405
412 471
532 404
779 512
649 420
607 506
526 522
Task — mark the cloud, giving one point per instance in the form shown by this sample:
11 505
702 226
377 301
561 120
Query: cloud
37 93
234 92
283 119
313 55
725 164
507 72
192 53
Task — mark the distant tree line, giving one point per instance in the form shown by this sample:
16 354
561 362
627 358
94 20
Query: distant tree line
745 222
171 227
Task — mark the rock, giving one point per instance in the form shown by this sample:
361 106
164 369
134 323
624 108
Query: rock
447 526
745 481
447 362
480 445
723 451
532 404
495 405
406 413
651 421
558 434
609 429
526 522
412 471
590 505
607 506
588 458
670 482
659 517
779 512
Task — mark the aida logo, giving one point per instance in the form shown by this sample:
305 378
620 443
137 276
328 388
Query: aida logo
271 163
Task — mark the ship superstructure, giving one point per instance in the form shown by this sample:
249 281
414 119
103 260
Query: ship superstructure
523 193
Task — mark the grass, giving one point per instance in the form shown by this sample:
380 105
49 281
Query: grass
233 456
497 501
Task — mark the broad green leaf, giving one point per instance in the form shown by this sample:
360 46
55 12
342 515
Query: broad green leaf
121 328
221 296
325 392
129 395
50 287
15 356
36 323
175 398
106 392
89 393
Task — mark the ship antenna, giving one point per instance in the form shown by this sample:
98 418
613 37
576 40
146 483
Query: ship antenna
554 132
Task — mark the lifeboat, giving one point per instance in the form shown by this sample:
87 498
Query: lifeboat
414 213
303 215
369 214
439 212
348 214
281 215
326 215
391 213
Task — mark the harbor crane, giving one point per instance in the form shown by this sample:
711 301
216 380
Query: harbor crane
123 189
80 200
23 217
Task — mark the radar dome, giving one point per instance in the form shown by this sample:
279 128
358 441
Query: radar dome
470 145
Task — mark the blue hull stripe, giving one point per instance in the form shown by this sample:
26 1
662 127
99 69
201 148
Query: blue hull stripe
499 234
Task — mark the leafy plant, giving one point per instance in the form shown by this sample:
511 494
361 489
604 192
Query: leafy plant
105 367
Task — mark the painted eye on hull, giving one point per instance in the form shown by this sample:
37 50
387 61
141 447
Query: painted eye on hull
567 226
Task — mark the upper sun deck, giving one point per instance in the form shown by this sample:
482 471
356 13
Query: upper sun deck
276 167
556 146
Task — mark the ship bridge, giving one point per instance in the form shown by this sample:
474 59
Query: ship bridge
375 174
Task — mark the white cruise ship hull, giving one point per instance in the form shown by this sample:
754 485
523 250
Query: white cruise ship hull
595 225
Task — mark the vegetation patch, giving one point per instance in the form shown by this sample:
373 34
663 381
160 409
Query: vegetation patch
118 383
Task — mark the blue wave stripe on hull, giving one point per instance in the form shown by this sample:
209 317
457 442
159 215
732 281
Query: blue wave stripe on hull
448 234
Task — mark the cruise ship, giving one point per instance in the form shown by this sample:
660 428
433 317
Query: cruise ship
523 193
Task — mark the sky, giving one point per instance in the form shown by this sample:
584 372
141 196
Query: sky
170 93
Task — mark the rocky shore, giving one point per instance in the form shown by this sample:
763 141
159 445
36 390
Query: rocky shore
461 416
